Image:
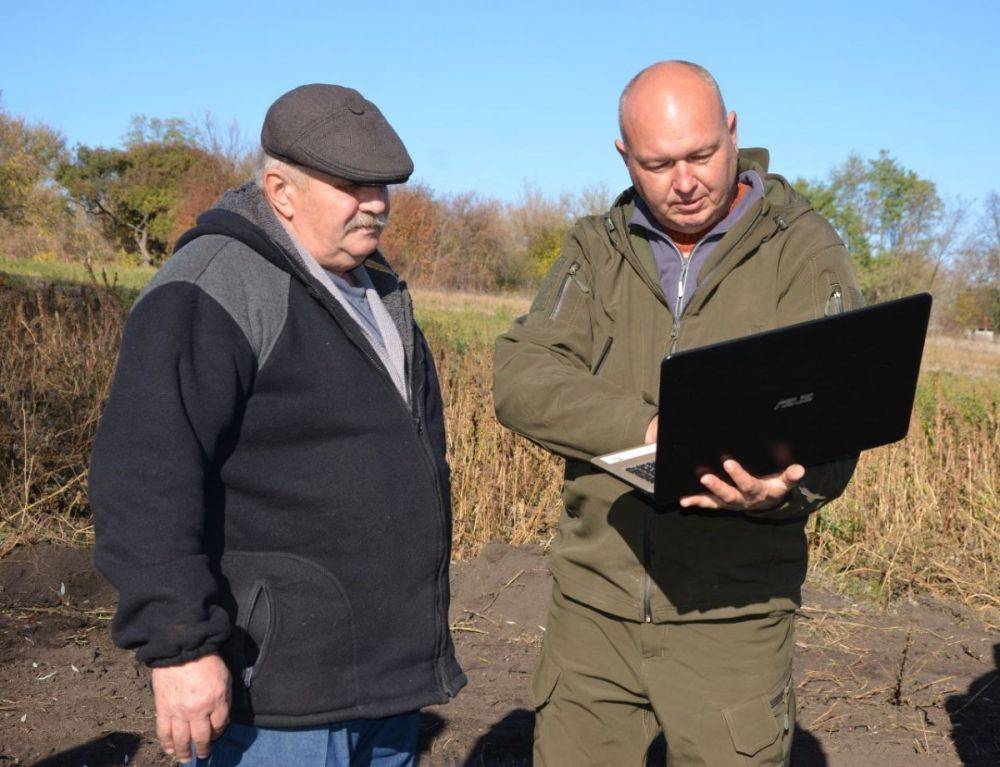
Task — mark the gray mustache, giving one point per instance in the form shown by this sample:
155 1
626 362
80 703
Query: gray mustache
367 220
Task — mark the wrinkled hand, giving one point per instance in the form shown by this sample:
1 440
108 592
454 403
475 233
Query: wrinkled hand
747 493
192 704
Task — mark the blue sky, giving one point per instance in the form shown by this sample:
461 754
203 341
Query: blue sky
489 97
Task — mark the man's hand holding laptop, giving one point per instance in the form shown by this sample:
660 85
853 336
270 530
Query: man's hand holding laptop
747 493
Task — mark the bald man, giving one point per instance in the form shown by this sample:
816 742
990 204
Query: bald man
678 622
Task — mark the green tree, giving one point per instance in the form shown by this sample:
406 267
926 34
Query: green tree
892 221
844 218
146 193
29 156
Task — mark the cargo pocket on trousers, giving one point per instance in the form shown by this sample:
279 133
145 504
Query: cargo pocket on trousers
544 681
759 723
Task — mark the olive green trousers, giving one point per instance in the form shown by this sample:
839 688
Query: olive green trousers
605 687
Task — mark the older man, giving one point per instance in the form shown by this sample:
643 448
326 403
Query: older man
679 621
269 481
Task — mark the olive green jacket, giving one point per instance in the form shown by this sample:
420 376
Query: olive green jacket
579 376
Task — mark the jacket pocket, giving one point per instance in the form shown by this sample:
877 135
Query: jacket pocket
570 289
254 630
602 356
293 646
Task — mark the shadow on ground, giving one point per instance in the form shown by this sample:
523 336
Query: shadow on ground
116 749
975 719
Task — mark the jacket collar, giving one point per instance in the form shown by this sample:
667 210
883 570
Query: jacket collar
244 215
779 207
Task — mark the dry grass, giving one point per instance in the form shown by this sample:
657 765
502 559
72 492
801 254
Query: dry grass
924 514
503 487
57 351
962 356
921 515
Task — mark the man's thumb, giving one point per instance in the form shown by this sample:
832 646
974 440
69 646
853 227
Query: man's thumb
794 474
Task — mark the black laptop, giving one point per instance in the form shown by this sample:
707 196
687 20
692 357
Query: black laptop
807 393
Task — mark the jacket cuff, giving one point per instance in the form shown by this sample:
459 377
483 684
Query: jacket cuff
185 656
634 425
820 485
795 506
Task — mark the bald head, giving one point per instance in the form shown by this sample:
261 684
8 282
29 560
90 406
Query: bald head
676 85
679 145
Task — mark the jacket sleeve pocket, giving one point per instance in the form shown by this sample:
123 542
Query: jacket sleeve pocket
817 285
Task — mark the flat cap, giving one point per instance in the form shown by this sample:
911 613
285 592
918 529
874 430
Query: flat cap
335 130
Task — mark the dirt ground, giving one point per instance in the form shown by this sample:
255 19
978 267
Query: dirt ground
913 686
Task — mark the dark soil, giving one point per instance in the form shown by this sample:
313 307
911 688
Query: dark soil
913 686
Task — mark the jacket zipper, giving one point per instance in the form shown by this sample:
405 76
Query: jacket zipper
647 557
647 543
835 303
442 519
259 592
647 536
415 415
682 282
675 331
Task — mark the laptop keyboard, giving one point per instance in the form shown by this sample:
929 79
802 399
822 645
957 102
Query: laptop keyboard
644 471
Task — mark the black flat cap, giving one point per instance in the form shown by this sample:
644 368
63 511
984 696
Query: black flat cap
335 130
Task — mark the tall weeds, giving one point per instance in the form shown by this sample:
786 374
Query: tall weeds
57 352
922 515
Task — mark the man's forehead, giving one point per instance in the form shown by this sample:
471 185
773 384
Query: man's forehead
657 111
657 139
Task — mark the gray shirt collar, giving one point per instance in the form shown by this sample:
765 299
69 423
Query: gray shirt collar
389 346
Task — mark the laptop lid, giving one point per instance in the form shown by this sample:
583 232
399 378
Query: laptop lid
806 393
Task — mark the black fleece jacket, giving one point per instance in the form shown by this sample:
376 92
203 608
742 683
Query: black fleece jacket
261 489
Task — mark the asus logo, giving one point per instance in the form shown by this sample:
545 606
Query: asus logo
793 401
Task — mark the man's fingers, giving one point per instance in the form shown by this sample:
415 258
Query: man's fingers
164 734
725 491
219 720
705 501
181 734
201 734
746 482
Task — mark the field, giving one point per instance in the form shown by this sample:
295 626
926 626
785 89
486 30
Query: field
920 516
920 521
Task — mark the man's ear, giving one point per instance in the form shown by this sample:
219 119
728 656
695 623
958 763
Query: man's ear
622 150
731 124
276 190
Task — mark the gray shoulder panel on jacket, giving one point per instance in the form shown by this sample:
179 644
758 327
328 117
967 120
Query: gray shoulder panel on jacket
252 290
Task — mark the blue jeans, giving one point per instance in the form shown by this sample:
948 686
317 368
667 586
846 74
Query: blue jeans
390 742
